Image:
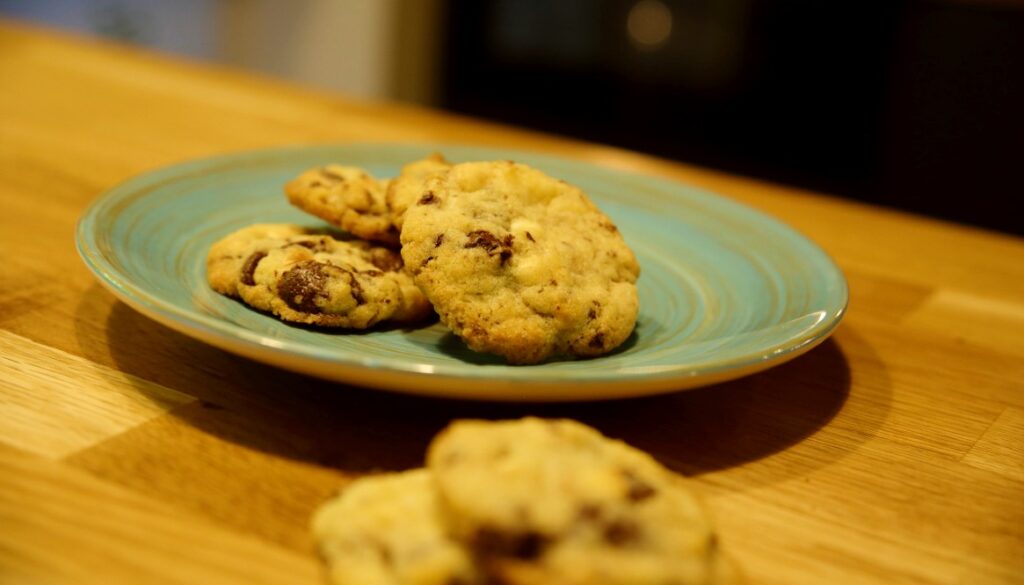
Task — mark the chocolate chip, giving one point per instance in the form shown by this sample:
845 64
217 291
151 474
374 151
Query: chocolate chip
589 512
525 546
428 198
438 240
529 236
621 532
331 175
483 239
427 261
301 285
490 243
592 314
597 341
638 489
386 260
314 245
609 226
249 267
355 288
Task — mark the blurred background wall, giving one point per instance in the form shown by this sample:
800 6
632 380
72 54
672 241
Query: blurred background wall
912 104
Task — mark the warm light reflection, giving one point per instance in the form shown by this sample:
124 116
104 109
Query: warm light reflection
649 24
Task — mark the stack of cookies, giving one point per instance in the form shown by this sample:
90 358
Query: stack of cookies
515 262
521 502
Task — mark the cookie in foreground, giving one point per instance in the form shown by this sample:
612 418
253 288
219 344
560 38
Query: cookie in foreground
306 277
385 530
555 502
520 264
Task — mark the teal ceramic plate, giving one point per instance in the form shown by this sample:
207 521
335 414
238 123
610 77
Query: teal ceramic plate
724 290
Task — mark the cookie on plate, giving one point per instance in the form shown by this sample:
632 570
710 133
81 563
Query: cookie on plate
306 277
347 197
554 501
410 184
385 530
520 264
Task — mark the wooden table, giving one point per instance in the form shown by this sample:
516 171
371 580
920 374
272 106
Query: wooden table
893 453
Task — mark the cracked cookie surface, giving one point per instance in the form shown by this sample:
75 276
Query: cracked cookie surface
520 264
554 501
306 277
386 530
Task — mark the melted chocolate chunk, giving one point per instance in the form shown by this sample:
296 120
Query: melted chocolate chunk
300 286
525 546
597 341
491 244
355 288
483 239
438 240
249 267
428 198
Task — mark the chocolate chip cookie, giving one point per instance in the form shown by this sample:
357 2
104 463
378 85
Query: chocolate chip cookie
520 264
553 501
386 530
306 277
347 197
410 184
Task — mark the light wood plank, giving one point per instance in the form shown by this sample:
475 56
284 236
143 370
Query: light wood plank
64 526
53 403
188 460
1001 448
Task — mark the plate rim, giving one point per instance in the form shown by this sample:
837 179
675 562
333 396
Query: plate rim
423 378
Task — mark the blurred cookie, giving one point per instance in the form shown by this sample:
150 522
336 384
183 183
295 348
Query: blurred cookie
553 501
385 530
520 264
347 197
315 279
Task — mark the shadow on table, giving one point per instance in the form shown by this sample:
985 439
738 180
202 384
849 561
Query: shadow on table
357 430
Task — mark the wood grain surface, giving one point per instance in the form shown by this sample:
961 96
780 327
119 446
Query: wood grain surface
893 453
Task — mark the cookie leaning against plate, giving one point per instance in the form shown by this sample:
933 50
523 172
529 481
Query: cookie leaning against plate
554 501
347 197
386 530
520 264
405 189
312 278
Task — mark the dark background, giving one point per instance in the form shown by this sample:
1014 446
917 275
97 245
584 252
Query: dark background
913 105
